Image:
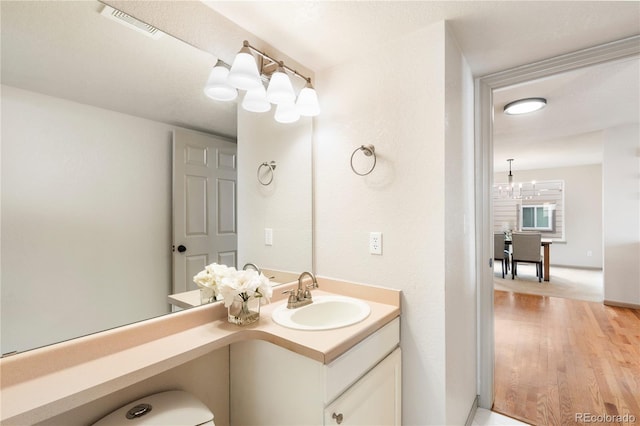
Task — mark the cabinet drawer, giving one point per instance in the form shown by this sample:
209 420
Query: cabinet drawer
344 371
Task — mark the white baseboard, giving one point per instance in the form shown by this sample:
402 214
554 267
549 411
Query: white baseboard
621 304
472 412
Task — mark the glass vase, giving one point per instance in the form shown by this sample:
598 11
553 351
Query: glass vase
207 295
243 312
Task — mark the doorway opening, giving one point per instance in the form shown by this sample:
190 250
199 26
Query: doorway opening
486 87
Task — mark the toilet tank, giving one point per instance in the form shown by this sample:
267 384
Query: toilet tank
170 408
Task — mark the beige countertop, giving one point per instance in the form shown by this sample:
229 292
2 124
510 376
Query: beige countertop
45 382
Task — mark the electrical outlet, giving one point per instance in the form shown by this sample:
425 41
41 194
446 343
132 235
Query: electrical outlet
589 253
375 242
268 236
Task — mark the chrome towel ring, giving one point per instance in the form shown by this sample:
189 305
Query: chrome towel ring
368 151
268 178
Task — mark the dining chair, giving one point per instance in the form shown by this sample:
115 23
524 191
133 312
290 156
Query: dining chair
526 249
500 252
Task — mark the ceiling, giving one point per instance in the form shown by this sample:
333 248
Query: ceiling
568 131
163 79
494 36
67 49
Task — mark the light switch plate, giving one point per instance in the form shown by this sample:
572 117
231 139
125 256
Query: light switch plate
268 236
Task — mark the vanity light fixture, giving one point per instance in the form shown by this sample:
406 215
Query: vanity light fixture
280 90
307 102
287 112
255 100
247 74
524 106
244 70
217 86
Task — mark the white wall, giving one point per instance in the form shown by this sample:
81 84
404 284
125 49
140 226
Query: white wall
85 219
398 105
582 213
284 205
460 286
621 214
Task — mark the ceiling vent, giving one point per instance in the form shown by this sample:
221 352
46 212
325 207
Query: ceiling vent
131 22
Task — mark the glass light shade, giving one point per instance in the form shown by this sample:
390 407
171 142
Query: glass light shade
524 106
255 100
307 102
287 113
217 87
244 71
280 89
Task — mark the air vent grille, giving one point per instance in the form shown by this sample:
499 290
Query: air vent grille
131 22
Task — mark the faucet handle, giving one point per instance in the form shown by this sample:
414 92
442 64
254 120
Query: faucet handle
292 294
307 292
293 300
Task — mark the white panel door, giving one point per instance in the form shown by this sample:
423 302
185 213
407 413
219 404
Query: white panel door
204 205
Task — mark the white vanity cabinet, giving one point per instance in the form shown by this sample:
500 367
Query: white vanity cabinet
372 400
271 385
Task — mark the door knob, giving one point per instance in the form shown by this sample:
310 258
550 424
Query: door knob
337 417
182 248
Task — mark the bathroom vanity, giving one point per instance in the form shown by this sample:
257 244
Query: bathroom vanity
348 371
281 387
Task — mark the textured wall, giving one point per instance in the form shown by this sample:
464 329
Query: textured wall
284 205
394 98
460 272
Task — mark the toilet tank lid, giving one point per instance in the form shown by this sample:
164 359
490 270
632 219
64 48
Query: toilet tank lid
168 408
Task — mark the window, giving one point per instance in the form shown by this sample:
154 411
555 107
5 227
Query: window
537 217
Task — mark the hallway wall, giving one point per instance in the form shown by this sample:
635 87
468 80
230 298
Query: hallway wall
621 188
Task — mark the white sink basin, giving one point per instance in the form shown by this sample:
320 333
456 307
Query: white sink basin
325 313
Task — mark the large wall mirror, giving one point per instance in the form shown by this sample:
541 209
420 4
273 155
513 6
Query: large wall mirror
90 109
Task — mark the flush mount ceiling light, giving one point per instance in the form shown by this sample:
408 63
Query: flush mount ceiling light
247 74
524 106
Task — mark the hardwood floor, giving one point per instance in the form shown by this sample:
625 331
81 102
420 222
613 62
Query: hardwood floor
557 358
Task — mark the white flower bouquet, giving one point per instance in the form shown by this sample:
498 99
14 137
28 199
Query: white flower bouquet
245 285
209 280
236 288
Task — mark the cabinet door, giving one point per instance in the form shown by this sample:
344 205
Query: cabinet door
372 400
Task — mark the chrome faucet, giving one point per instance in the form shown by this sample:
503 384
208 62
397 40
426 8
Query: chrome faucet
251 265
302 295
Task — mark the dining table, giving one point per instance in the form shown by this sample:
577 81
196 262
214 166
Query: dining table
545 243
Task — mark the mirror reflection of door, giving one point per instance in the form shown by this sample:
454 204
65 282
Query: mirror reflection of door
204 205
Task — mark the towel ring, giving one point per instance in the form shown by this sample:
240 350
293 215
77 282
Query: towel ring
271 166
368 151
